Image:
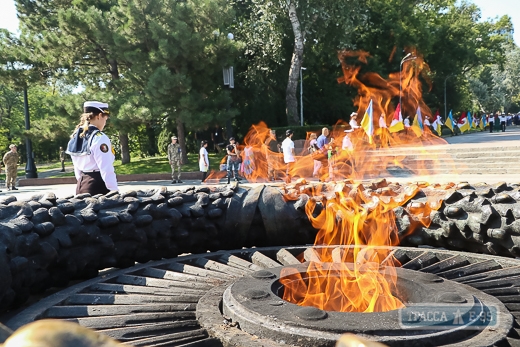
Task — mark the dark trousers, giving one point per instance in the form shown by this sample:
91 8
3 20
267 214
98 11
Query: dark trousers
503 126
491 126
204 175
92 183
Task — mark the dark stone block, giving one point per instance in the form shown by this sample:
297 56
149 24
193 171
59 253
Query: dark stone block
44 229
143 220
214 213
66 207
196 210
202 199
23 223
6 200
88 215
175 201
125 217
214 196
108 221
57 217
46 203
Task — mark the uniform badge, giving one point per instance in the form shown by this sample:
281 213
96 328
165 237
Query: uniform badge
103 147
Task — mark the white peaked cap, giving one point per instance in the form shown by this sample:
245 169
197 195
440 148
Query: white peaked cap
96 104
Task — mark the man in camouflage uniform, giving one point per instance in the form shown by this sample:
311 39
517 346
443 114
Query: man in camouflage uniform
11 165
174 157
62 159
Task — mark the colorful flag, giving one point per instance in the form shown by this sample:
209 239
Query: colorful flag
397 121
450 123
417 125
483 122
367 123
437 124
471 121
463 123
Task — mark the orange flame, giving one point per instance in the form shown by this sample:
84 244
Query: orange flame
362 278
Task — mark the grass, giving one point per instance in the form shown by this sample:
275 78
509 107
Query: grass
149 165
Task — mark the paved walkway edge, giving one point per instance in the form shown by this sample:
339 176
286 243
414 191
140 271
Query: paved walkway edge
120 178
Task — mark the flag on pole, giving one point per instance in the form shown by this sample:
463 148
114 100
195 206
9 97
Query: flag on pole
483 122
450 123
437 124
471 121
463 123
367 123
397 121
417 125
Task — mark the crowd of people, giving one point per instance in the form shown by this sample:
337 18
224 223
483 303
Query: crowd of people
93 156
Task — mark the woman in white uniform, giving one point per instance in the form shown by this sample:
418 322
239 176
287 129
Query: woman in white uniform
91 151
203 159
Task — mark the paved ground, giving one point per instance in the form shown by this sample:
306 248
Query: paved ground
509 138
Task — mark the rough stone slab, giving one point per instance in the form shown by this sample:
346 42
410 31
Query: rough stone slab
118 321
213 265
113 310
235 261
286 258
197 271
130 299
263 261
460 273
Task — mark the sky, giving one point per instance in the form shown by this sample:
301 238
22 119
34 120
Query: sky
489 8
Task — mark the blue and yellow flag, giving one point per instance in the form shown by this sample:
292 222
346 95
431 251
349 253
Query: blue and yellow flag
483 122
367 123
417 125
450 123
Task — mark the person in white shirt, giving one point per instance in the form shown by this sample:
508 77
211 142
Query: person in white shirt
503 119
384 135
203 159
347 148
91 151
353 121
406 123
288 153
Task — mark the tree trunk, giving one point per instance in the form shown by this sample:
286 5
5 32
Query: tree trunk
125 149
182 141
296 63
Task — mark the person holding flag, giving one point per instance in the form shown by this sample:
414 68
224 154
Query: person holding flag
367 123
483 122
463 123
418 125
450 123
397 121
437 123
471 121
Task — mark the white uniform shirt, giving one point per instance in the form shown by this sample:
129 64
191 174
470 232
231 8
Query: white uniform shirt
382 122
347 144
203 159
287 147
406 122
427 122
353 124
101 159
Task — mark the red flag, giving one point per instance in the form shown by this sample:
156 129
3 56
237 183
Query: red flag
437 114
461 118
397 114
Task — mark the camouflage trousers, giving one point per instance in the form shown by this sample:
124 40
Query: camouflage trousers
10 176
176 165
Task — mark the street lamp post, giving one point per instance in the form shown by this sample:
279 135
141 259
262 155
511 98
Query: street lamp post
445 104
405 58
30 168
301 94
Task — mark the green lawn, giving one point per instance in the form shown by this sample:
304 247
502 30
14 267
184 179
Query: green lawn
150 165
